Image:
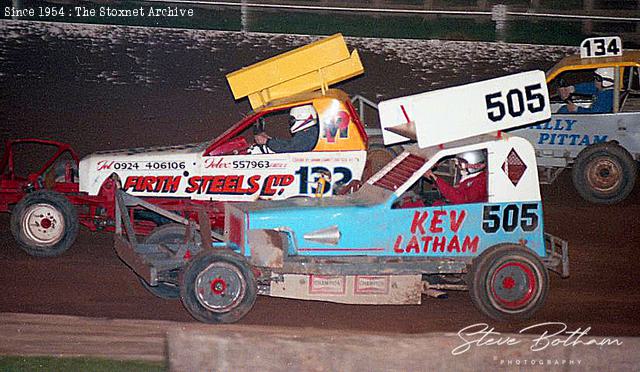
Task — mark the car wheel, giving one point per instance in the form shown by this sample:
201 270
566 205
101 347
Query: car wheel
218 287
604 173
44 223
507 282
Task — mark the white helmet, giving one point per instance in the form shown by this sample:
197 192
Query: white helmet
605 75
302 117
475 160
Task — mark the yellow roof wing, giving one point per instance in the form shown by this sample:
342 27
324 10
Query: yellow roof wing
308 68
574 62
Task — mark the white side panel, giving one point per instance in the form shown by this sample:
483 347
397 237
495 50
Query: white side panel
464 111
222 178
501 187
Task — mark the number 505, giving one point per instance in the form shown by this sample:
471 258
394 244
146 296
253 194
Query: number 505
513 102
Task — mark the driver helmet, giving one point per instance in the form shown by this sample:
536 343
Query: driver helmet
605 75
475 160
302 117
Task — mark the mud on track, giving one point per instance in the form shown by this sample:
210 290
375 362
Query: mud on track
100 87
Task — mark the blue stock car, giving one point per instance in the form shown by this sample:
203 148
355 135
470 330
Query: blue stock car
387 243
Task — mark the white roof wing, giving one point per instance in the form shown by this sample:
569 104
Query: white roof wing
460 112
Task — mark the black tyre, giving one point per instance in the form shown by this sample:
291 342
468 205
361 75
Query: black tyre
604 173
218 287
507 282
169 233
44 223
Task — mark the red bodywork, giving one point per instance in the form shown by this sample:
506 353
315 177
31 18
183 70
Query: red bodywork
230 142
13 187
94 212
97 212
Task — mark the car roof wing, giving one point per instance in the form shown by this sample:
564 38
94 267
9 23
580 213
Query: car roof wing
453 114
308 68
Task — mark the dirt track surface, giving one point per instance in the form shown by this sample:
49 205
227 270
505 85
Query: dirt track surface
103 88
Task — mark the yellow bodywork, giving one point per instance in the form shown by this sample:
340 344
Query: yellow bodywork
574 62
338 129
305 69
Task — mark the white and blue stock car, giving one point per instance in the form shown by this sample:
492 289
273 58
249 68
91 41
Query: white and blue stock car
601 148
372 246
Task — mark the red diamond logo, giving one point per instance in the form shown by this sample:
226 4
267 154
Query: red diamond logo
514 167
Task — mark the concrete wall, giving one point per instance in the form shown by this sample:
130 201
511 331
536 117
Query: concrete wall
231 348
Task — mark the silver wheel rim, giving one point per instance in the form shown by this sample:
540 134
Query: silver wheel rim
220 287
43 224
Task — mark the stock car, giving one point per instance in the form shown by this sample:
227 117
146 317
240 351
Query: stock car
370 247
602 149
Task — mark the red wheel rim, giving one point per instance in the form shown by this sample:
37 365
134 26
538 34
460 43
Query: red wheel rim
513 285
218 286
45 223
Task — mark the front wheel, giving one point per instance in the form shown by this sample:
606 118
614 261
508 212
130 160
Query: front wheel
508 283
604 173
218 287
44 223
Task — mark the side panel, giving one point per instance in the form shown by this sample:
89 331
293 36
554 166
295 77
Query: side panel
463 230
567 135
272 176
223 178
361 230
467 229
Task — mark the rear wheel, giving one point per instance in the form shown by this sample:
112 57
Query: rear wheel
508 283
604 173
218 287
44 223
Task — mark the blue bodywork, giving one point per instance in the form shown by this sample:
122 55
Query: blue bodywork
377 229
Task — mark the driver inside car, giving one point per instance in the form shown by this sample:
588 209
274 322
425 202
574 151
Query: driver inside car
472 187
601 89
303 125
